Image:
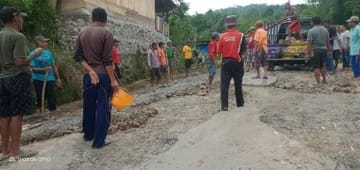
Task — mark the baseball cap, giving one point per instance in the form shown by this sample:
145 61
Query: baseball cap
251 28
40 38
7 13
214 34
231 20
353 19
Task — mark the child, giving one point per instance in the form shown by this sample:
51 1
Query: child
42 65
213 51
154 65
116 58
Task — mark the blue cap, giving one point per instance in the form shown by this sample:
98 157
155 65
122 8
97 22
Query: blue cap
214 34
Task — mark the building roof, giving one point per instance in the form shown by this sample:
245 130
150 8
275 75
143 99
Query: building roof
165 5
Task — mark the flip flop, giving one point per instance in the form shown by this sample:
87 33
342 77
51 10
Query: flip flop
105 144
256 77
265 77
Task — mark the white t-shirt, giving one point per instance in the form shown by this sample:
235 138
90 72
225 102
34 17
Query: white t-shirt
336 42
344 38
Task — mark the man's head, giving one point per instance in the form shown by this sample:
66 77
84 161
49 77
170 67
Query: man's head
41 41
287 5
326 23
154 46
116 42
353 21
161 45
231 21
169 44
214 36
342 28
259 24
316 20
251 30
12 17
99 15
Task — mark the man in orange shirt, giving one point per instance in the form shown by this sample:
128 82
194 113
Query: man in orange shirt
261 41
232 45
162 61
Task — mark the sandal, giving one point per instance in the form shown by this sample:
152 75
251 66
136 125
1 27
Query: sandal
265 77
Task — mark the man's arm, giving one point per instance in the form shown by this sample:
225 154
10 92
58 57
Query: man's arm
20 56
243 47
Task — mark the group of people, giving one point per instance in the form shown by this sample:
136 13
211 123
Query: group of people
21 74
162 61
326 44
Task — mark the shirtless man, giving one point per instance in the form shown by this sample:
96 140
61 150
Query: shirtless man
294 26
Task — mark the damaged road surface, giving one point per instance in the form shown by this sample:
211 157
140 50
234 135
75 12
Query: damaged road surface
286 124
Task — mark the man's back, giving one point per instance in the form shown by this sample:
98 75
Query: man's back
319 37
96 44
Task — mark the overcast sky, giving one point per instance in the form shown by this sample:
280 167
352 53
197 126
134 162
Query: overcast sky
201 6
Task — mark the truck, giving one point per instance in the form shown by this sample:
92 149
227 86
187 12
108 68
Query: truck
282 52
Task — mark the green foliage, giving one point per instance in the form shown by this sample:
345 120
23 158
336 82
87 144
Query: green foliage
41 17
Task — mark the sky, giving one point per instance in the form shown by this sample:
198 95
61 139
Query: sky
201 6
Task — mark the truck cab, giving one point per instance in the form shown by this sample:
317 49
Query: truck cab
284 53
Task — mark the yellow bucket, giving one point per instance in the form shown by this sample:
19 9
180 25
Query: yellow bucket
121 98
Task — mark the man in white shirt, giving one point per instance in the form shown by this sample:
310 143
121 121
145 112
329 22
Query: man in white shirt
345 39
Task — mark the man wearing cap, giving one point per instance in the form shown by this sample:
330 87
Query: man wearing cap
353 23
16 91
116 58
41 65
232 46
93 51
212 53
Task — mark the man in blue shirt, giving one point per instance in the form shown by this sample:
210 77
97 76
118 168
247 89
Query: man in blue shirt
41 65
355 44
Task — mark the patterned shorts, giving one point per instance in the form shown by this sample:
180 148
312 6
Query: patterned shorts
16 95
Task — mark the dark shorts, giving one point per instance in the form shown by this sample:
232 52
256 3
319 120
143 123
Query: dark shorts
261 59
155 74
294 26
163 69
188 63
172 63
319 59
16 95
336 54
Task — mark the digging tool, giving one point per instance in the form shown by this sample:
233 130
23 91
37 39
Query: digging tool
43 93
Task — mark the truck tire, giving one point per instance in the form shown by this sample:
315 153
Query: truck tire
271 66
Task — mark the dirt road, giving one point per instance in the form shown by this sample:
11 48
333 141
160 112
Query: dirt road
288 125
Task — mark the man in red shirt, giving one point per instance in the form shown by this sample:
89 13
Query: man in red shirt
212 53
232 46
116 58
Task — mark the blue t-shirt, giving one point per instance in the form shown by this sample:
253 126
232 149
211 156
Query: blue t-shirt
46 59
355 40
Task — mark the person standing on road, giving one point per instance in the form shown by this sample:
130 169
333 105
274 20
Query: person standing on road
337 51
41 65
261 49
345 46
250 57
212 53
116 58
232 45
318 44
16 92
355 45
94 47
171 56
332 37
153 63
188 57
163 61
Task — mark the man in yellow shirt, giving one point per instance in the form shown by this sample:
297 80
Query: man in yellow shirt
188 57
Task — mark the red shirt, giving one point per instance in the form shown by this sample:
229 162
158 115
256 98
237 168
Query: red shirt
251 44
116 56
212 50
231 44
